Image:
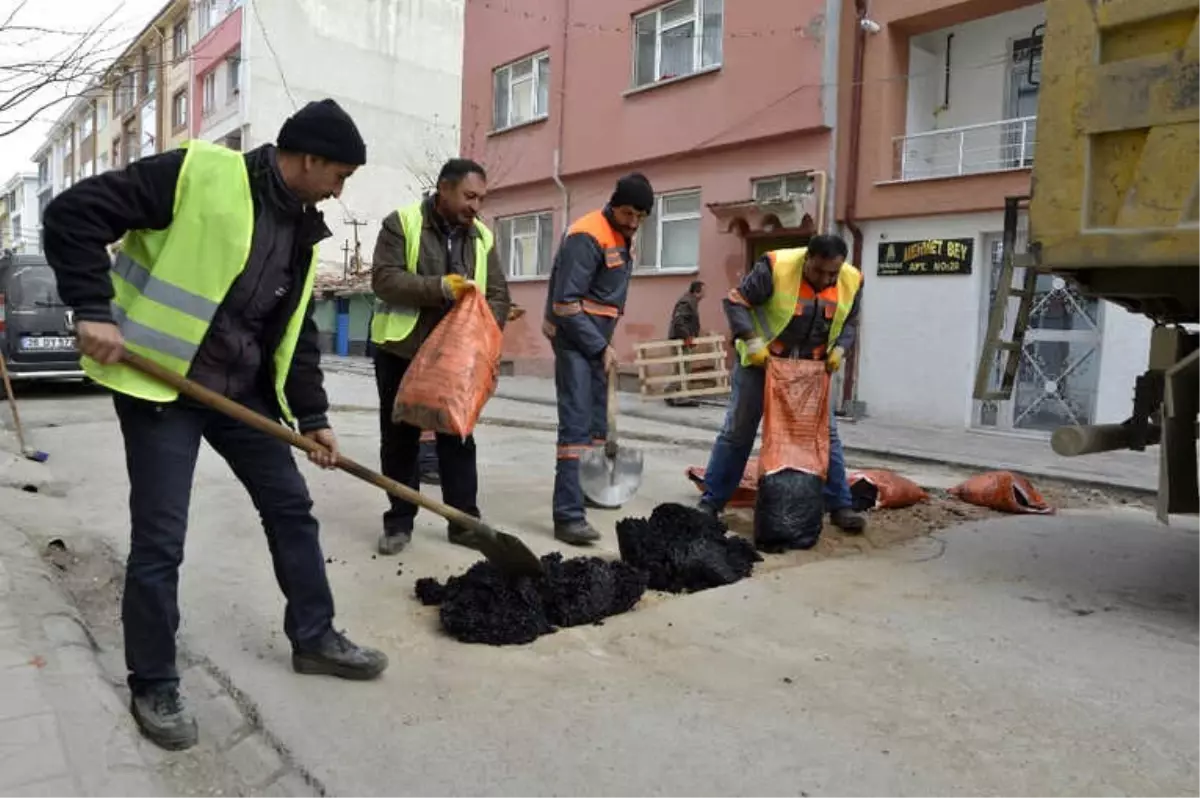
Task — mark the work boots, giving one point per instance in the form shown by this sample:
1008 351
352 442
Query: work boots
848 521
335 655
163 718
577 533
393 542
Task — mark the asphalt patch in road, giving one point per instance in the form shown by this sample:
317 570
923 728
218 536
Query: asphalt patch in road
485 605
683 550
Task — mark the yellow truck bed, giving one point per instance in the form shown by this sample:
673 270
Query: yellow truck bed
1115 201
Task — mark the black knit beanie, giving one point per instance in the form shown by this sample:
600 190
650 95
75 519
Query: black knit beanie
635 191
323 128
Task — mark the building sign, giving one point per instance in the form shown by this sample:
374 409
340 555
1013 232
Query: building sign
932 256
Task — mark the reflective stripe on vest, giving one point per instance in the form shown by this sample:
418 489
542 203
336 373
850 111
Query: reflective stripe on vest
771 318
168 284
612 245
396 322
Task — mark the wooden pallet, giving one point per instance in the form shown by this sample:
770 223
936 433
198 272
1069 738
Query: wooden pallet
661 373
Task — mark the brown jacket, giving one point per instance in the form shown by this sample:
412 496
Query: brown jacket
394 284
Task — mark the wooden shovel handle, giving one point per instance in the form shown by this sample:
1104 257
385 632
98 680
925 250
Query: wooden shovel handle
286 434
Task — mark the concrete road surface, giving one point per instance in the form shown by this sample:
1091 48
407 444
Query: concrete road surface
1049 655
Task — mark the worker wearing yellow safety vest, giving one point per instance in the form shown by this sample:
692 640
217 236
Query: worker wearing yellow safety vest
427 255
801 303
213 280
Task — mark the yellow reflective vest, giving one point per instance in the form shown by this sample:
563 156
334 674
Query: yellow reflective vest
787 270
396 322
169 283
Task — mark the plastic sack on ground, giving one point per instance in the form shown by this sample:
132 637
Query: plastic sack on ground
1003 491
744 494
879 489
794 457
455 371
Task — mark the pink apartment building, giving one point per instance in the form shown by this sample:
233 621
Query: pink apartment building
727 107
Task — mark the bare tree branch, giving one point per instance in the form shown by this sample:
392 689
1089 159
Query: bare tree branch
62 65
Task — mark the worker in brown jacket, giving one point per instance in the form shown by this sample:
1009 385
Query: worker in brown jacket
427 256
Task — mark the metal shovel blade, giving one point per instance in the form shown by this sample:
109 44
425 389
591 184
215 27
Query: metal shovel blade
610 480
504 550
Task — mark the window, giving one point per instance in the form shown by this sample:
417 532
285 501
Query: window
86 128
525 244
677 39
233 68
43 167
179 110
126 91
129 142
101 115
670 236
149 128
521 92
209 15
147 69
102 162
179 40
209 101
781 187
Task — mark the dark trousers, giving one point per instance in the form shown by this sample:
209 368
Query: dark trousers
161 446
581 387
399 452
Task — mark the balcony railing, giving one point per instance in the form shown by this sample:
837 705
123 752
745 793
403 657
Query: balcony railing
967 150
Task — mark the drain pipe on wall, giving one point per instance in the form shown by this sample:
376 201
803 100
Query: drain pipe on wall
562 116
856 100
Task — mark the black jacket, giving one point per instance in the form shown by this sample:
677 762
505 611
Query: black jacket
235 357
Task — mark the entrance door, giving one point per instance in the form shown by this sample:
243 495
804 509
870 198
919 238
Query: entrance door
1059 368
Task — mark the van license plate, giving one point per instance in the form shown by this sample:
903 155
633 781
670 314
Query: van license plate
48 344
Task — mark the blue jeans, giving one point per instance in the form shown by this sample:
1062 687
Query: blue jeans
727 462
582 393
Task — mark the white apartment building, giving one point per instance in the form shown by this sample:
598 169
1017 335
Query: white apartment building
19 214
230 71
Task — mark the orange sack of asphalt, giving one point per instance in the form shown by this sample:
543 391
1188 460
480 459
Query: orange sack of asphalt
893 491
455 371
1003 491
795 428
744 495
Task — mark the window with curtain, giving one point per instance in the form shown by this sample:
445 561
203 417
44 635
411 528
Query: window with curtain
677 39
525 244
521 91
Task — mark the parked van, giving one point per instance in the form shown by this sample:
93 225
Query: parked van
37 331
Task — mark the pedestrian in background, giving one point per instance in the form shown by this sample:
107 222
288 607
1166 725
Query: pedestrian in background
685 325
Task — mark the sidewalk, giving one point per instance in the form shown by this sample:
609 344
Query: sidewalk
1136 471
63 729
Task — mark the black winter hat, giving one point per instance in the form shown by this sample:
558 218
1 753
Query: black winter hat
323 128
635 191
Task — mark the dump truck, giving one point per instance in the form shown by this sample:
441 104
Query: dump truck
1113 209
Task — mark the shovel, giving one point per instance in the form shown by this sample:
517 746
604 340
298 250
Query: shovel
505 551
612 475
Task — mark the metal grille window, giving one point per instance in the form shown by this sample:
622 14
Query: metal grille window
525 244
521 92
669 238
677 39
781 187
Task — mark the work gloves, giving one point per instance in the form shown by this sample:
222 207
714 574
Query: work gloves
833 361
455 285
756 352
